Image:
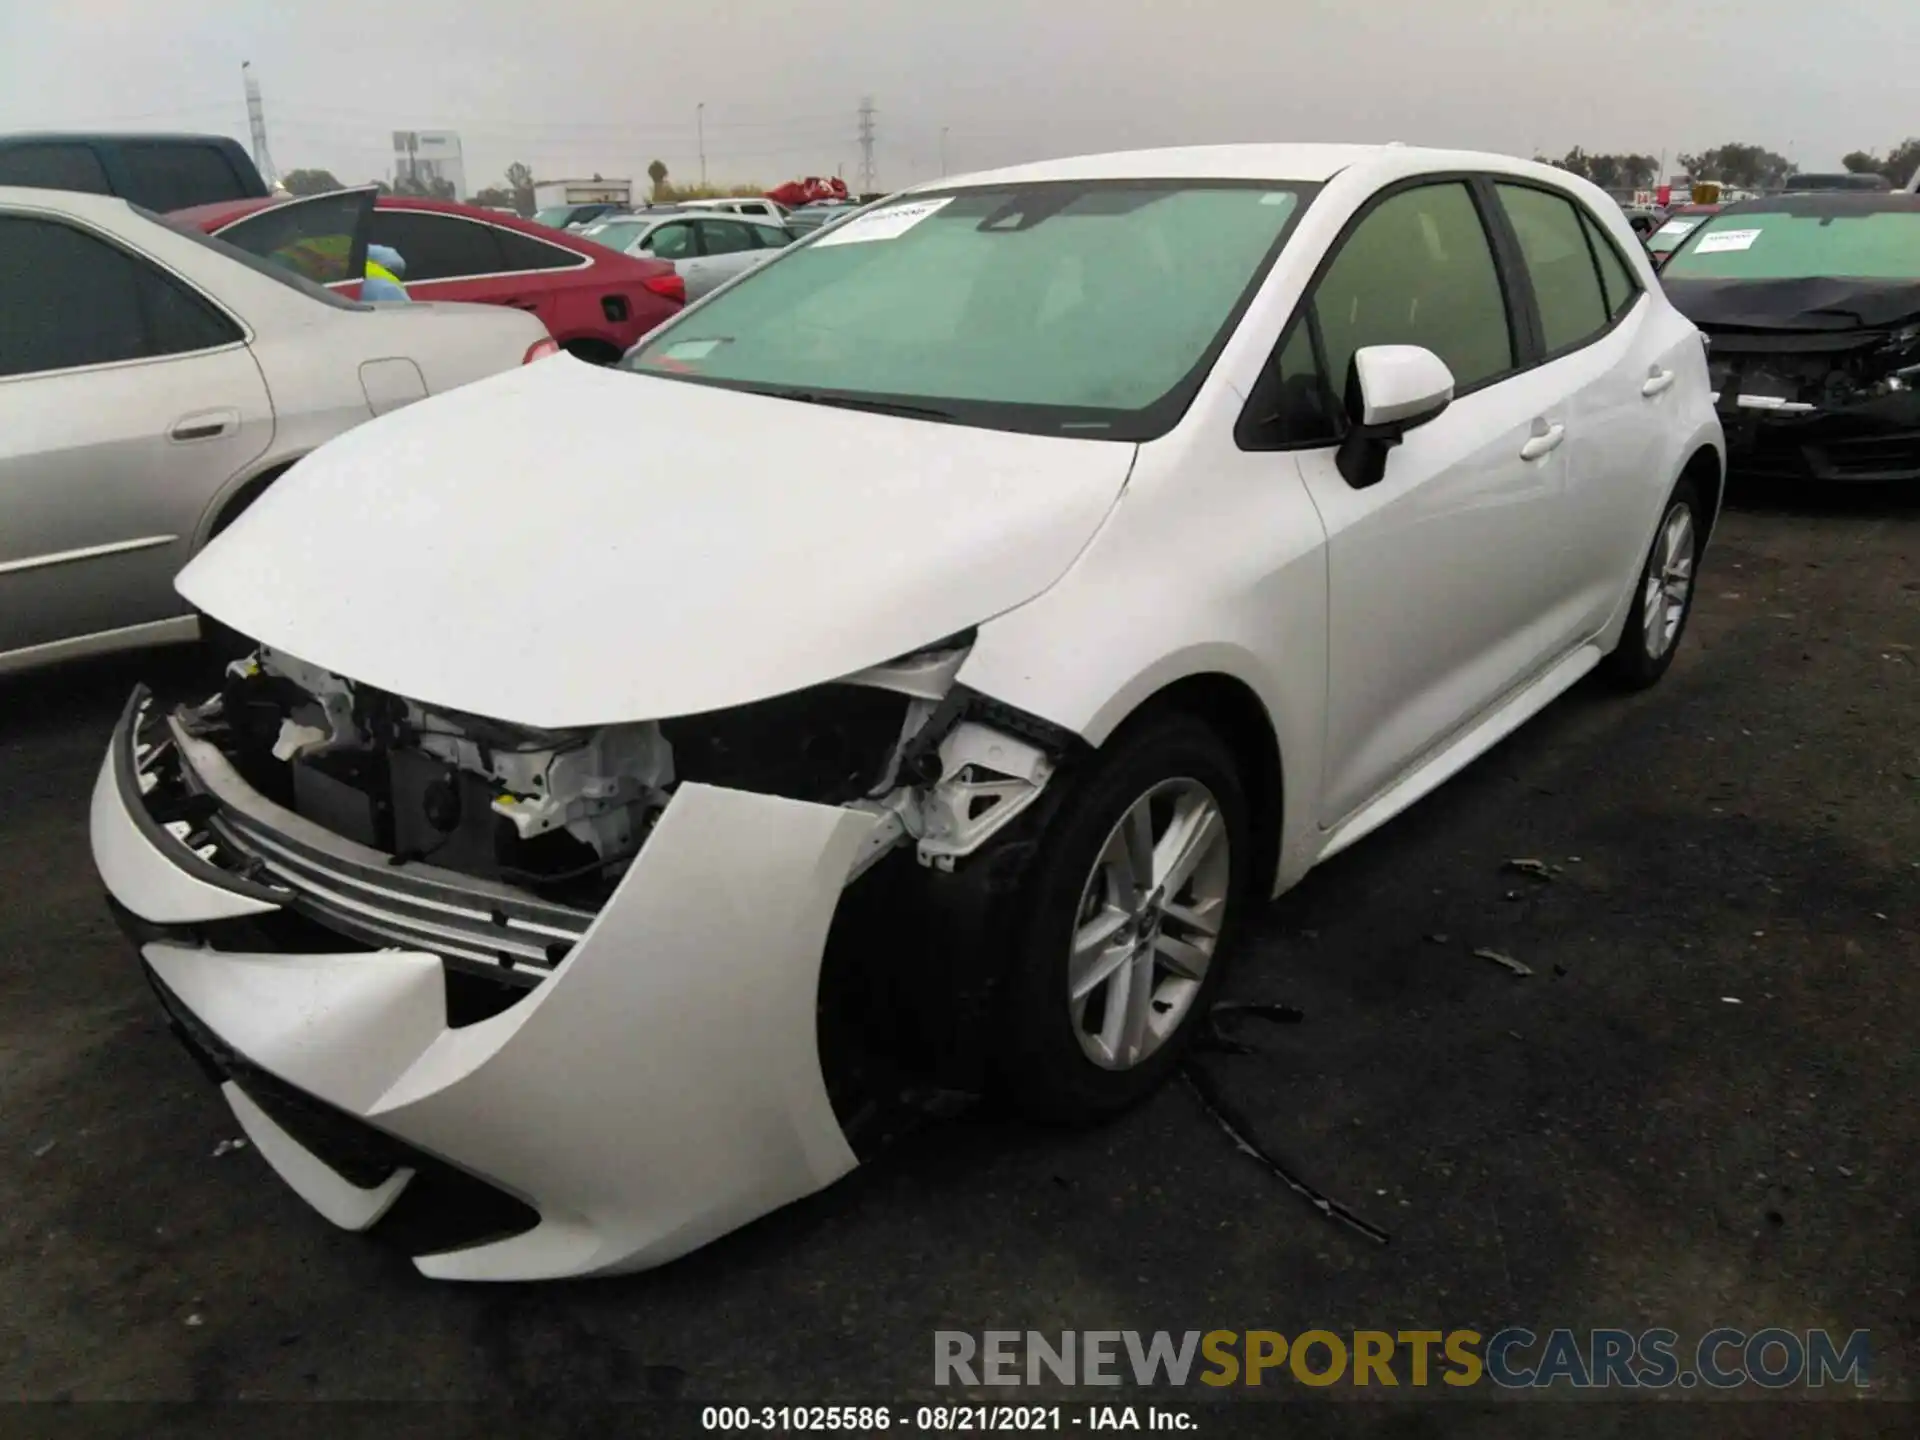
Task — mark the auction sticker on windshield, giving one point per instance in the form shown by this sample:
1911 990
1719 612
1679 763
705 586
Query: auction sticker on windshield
1726 240
1678 227
888 224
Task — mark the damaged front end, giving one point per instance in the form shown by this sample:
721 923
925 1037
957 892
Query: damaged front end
1815 379
1819 405
550 960
561 814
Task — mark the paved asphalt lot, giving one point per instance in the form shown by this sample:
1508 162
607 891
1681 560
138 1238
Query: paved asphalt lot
1606 1142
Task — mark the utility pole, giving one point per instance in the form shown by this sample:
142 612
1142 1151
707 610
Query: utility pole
700 125
867 183
257 123
943 152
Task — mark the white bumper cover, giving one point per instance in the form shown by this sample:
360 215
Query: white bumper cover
662 1087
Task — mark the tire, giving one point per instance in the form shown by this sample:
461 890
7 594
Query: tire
1046 1063
1672 569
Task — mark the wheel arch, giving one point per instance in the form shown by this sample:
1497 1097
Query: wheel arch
1237 714
594 349
236 495
1707 470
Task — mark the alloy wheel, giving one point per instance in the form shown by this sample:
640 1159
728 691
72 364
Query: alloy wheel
1669 581
1147 924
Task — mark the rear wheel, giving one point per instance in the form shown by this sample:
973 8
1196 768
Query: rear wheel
1663 598
1139 884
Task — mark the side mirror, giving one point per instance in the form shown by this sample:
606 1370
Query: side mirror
1391 389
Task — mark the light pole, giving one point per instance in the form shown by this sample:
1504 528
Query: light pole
700 125
943 152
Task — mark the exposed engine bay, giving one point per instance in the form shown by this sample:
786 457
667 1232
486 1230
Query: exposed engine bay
1859 369
562 813
1813 378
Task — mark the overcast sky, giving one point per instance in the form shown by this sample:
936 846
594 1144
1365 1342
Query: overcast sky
577 86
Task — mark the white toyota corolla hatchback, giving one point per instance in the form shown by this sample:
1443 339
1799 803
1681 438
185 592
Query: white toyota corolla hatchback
904 675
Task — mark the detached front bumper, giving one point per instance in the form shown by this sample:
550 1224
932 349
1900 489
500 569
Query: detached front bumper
1867 444
656 1086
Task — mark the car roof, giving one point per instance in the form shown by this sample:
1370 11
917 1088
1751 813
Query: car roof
82 203
1307 164
114 137
1830 202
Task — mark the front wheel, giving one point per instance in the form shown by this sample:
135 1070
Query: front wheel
1663 598
1140 881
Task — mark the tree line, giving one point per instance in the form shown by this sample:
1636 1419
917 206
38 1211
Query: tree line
1744 167
514 193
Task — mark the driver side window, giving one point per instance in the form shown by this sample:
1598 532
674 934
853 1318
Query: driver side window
1418 270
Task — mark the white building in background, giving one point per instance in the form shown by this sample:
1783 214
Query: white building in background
429 155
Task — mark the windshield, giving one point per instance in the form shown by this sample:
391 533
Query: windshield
615 234
1775 245
1674 231
1086 308
554 217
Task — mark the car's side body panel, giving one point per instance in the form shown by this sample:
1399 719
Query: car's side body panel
1482 618
112 476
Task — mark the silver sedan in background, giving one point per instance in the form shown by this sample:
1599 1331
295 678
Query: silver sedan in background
153 382
706 249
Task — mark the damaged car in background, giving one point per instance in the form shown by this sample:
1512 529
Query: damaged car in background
1810 305
591 857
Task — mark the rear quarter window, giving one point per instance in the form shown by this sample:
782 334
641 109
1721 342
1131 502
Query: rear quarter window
54 167
168 176
523 252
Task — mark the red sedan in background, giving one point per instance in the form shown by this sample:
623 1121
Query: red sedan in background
594 301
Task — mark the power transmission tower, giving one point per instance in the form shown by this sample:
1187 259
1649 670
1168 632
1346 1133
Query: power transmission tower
867 182
257 123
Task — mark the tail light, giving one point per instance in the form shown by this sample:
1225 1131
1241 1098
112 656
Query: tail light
668 287
540 349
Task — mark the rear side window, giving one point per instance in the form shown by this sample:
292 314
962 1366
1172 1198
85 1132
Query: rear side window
1617 280
437 247
165 176
771 237
53 167
1418 270
523 252
316 238
728 237
68 299
1566 284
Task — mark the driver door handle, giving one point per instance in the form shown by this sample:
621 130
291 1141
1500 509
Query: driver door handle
1658 381
204 425
1544 441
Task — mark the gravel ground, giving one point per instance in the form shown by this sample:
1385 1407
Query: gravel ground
1607 1141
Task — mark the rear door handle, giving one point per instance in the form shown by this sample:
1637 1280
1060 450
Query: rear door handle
1658 380
1543 441
204 425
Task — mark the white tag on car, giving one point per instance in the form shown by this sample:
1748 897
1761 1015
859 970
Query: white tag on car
1726 240
888 224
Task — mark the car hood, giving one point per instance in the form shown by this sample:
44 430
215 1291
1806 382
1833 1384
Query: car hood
564 545
1807 305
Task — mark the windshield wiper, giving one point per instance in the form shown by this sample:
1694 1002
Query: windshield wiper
859 402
